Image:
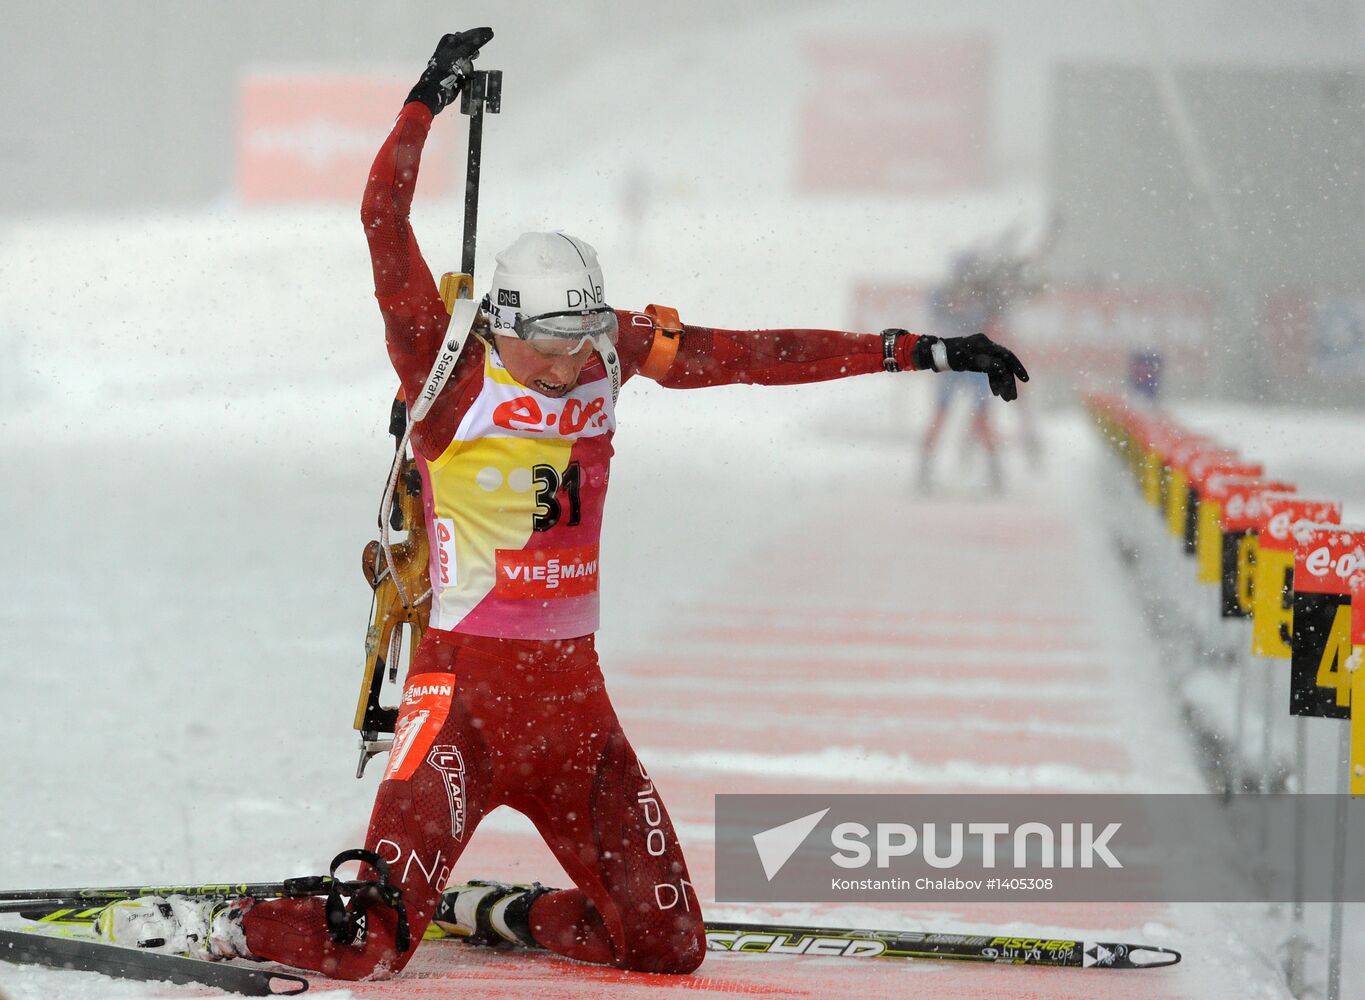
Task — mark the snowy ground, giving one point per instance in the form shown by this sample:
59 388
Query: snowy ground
192 465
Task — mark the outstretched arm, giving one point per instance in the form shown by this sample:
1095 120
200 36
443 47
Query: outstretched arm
707 356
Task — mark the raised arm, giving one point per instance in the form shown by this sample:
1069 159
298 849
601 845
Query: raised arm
414 318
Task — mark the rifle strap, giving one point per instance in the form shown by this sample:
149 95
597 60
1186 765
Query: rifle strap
463 313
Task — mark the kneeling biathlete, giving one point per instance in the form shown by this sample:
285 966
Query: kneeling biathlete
505 703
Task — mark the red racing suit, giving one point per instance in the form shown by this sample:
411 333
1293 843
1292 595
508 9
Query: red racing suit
505 703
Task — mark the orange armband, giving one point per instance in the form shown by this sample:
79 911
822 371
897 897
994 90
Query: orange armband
663 349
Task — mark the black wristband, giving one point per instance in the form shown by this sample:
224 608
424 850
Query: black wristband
890 338
922 356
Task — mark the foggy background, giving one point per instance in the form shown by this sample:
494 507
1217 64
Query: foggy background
1204 159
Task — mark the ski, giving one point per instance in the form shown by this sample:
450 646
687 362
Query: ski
75 906
130 963
839 942
783 939
67 915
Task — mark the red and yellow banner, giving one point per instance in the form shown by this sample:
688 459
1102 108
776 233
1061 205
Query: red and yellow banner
1272 626
312 136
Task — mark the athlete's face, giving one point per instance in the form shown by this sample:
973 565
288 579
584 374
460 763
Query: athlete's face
551 374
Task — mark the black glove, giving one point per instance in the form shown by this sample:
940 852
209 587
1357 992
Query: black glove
977 353
443 77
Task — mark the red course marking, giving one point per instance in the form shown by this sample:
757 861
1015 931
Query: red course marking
794 702
773 734
450 970
910 641
780 668
946 615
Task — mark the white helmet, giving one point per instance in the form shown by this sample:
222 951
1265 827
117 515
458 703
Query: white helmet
547 288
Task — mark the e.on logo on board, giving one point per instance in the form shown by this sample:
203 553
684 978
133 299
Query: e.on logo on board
1320 562
1326 557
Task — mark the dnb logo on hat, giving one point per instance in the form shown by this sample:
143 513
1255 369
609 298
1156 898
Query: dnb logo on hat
509 297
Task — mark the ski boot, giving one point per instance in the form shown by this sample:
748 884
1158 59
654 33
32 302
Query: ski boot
492 914
190 926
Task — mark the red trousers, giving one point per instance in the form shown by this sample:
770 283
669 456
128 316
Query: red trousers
488 722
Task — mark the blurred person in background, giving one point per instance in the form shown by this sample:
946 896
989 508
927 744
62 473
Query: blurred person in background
505 702
957 309
981 288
